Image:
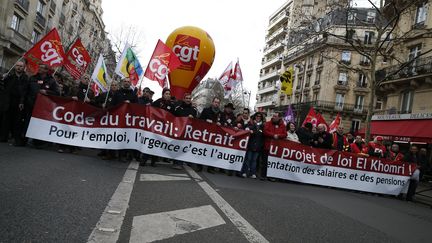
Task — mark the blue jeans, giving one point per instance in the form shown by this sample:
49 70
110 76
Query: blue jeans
250 162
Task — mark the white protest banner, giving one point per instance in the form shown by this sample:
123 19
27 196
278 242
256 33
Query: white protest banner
131 126
297 162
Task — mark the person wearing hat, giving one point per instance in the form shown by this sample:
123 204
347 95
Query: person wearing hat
227 117
377 148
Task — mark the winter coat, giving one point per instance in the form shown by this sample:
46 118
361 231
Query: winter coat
37 83
209 114
271 129
13 89
256 138
184 110
124 94
167 105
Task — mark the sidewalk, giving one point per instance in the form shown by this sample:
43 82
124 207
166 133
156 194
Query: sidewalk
424 193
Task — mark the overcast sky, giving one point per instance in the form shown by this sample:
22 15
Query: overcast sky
238 29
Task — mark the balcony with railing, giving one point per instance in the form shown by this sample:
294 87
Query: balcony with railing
40 20
278 19
420 67
341 86
272 61
329 106
275 34
22 4
265 103
269 75
267 89
361 88
274 47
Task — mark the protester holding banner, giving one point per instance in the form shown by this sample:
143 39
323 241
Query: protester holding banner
146 98
274 129
322 139
340 141
165 102
254 147
105 100
413 157
12 96
212 115
245 119
394 153
291 133
125 95
82 92
42 83
305 134
359 147
377 148
227 117
184 109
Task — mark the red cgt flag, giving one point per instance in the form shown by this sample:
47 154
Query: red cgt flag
335 124
162 61
315 119
49 51
77 60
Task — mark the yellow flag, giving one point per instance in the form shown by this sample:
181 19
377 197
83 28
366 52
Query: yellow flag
287 79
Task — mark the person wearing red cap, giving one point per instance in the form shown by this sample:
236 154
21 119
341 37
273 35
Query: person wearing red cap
377 148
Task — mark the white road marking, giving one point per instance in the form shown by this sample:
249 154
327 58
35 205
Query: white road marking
251 234
108 228
159 177
159 226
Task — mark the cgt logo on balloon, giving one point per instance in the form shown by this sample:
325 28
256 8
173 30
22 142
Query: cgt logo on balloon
187 49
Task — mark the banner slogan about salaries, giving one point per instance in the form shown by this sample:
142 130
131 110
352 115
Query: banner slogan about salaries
157 132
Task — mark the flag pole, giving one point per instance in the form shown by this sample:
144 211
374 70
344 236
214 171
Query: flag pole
6 74
106 98
88 87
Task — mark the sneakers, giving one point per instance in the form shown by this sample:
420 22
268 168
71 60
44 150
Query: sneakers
253 176
244 175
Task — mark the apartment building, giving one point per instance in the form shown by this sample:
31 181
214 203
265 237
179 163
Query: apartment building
24 22
272 59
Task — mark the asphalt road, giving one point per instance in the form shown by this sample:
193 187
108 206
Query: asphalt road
50 197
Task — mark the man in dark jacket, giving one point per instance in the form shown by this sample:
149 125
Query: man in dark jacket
211 114
227 117
165 102
254 147
12 96
322 139
125 95
146 98
305 134
184 109
83 92
42 83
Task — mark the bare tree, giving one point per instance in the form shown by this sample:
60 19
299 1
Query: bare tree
384 42
126 35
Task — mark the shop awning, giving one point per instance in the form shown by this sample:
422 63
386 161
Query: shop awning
402 130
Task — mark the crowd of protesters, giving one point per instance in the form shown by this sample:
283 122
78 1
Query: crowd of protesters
18 94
